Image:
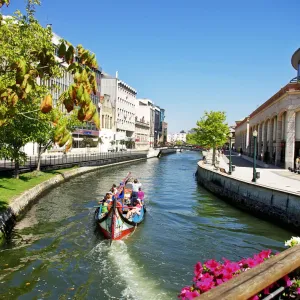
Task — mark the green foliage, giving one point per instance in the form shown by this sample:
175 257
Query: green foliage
122 142
27 64
211 131
191 139
112 142
130 144
178 143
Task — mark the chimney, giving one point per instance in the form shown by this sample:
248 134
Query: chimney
117 74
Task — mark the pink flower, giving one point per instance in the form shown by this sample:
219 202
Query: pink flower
205 284
198 270
184 291
265 254
254 298
219 281
250 262
298 291
231 267
288 281
191 295
212 265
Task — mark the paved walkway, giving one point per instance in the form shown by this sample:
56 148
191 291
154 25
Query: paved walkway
274 178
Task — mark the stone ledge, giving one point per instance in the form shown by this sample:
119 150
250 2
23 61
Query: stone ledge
20 204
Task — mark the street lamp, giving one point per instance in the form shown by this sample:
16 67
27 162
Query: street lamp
230 163
254 157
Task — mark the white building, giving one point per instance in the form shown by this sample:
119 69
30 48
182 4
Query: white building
142 124
123 100
107 123
176 137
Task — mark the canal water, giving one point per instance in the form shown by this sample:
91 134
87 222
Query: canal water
56 252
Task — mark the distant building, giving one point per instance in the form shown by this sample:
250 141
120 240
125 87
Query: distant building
142 124
176 137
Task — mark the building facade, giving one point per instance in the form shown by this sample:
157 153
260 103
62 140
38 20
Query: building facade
156 125
277 123
123 100
176 137
142 125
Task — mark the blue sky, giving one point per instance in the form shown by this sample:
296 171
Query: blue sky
187 56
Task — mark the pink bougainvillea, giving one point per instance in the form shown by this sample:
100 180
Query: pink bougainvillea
213 273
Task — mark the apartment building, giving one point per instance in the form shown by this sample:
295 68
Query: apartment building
123 100
176 137
142 125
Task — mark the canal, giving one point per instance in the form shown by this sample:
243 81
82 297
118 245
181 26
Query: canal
57 253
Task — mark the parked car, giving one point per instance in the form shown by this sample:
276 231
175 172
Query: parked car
111 150
124 149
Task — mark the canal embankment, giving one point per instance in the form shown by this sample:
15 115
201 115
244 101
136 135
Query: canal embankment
274 196
20 204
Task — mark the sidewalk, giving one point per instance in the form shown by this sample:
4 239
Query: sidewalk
272 177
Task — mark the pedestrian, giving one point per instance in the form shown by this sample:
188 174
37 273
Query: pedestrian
297 162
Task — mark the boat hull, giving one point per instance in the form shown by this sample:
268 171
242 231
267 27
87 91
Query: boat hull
115 226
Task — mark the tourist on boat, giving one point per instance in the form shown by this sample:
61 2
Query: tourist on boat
140 194
135 188
114 189
135 210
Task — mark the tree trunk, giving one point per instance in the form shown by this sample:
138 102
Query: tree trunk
38 167
214 156
17 164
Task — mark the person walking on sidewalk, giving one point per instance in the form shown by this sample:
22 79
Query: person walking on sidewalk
297 163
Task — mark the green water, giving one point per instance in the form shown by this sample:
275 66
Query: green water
57 250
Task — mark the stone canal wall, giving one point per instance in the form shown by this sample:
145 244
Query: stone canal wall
21 204
268 203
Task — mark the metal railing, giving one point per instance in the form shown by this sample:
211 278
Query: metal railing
55 161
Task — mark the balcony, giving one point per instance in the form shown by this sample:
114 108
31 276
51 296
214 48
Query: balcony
142 123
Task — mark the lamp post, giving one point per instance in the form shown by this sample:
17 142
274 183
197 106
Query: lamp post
254 156
230 162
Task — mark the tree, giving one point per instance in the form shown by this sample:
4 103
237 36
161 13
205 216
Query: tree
112 142
13 136
28 63
211 131
178 143
28 66
130 144
191 139
46 131
122 143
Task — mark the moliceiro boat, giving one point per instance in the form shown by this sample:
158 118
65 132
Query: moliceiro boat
124 213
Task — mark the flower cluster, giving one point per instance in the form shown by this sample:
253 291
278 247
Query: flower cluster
293 241
213 273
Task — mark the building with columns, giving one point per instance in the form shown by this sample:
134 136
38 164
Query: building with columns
277 122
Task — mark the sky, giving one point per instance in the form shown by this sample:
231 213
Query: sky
187 56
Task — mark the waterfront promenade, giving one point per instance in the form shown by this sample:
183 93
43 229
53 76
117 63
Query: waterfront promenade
272 176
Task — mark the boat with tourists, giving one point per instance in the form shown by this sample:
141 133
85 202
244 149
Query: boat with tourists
122 210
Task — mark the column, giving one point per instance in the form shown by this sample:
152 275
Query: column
278 140
265 129
247 138
251 147
290 139
270 139
259 140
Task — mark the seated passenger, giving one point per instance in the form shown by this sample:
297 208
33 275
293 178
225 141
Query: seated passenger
135 210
